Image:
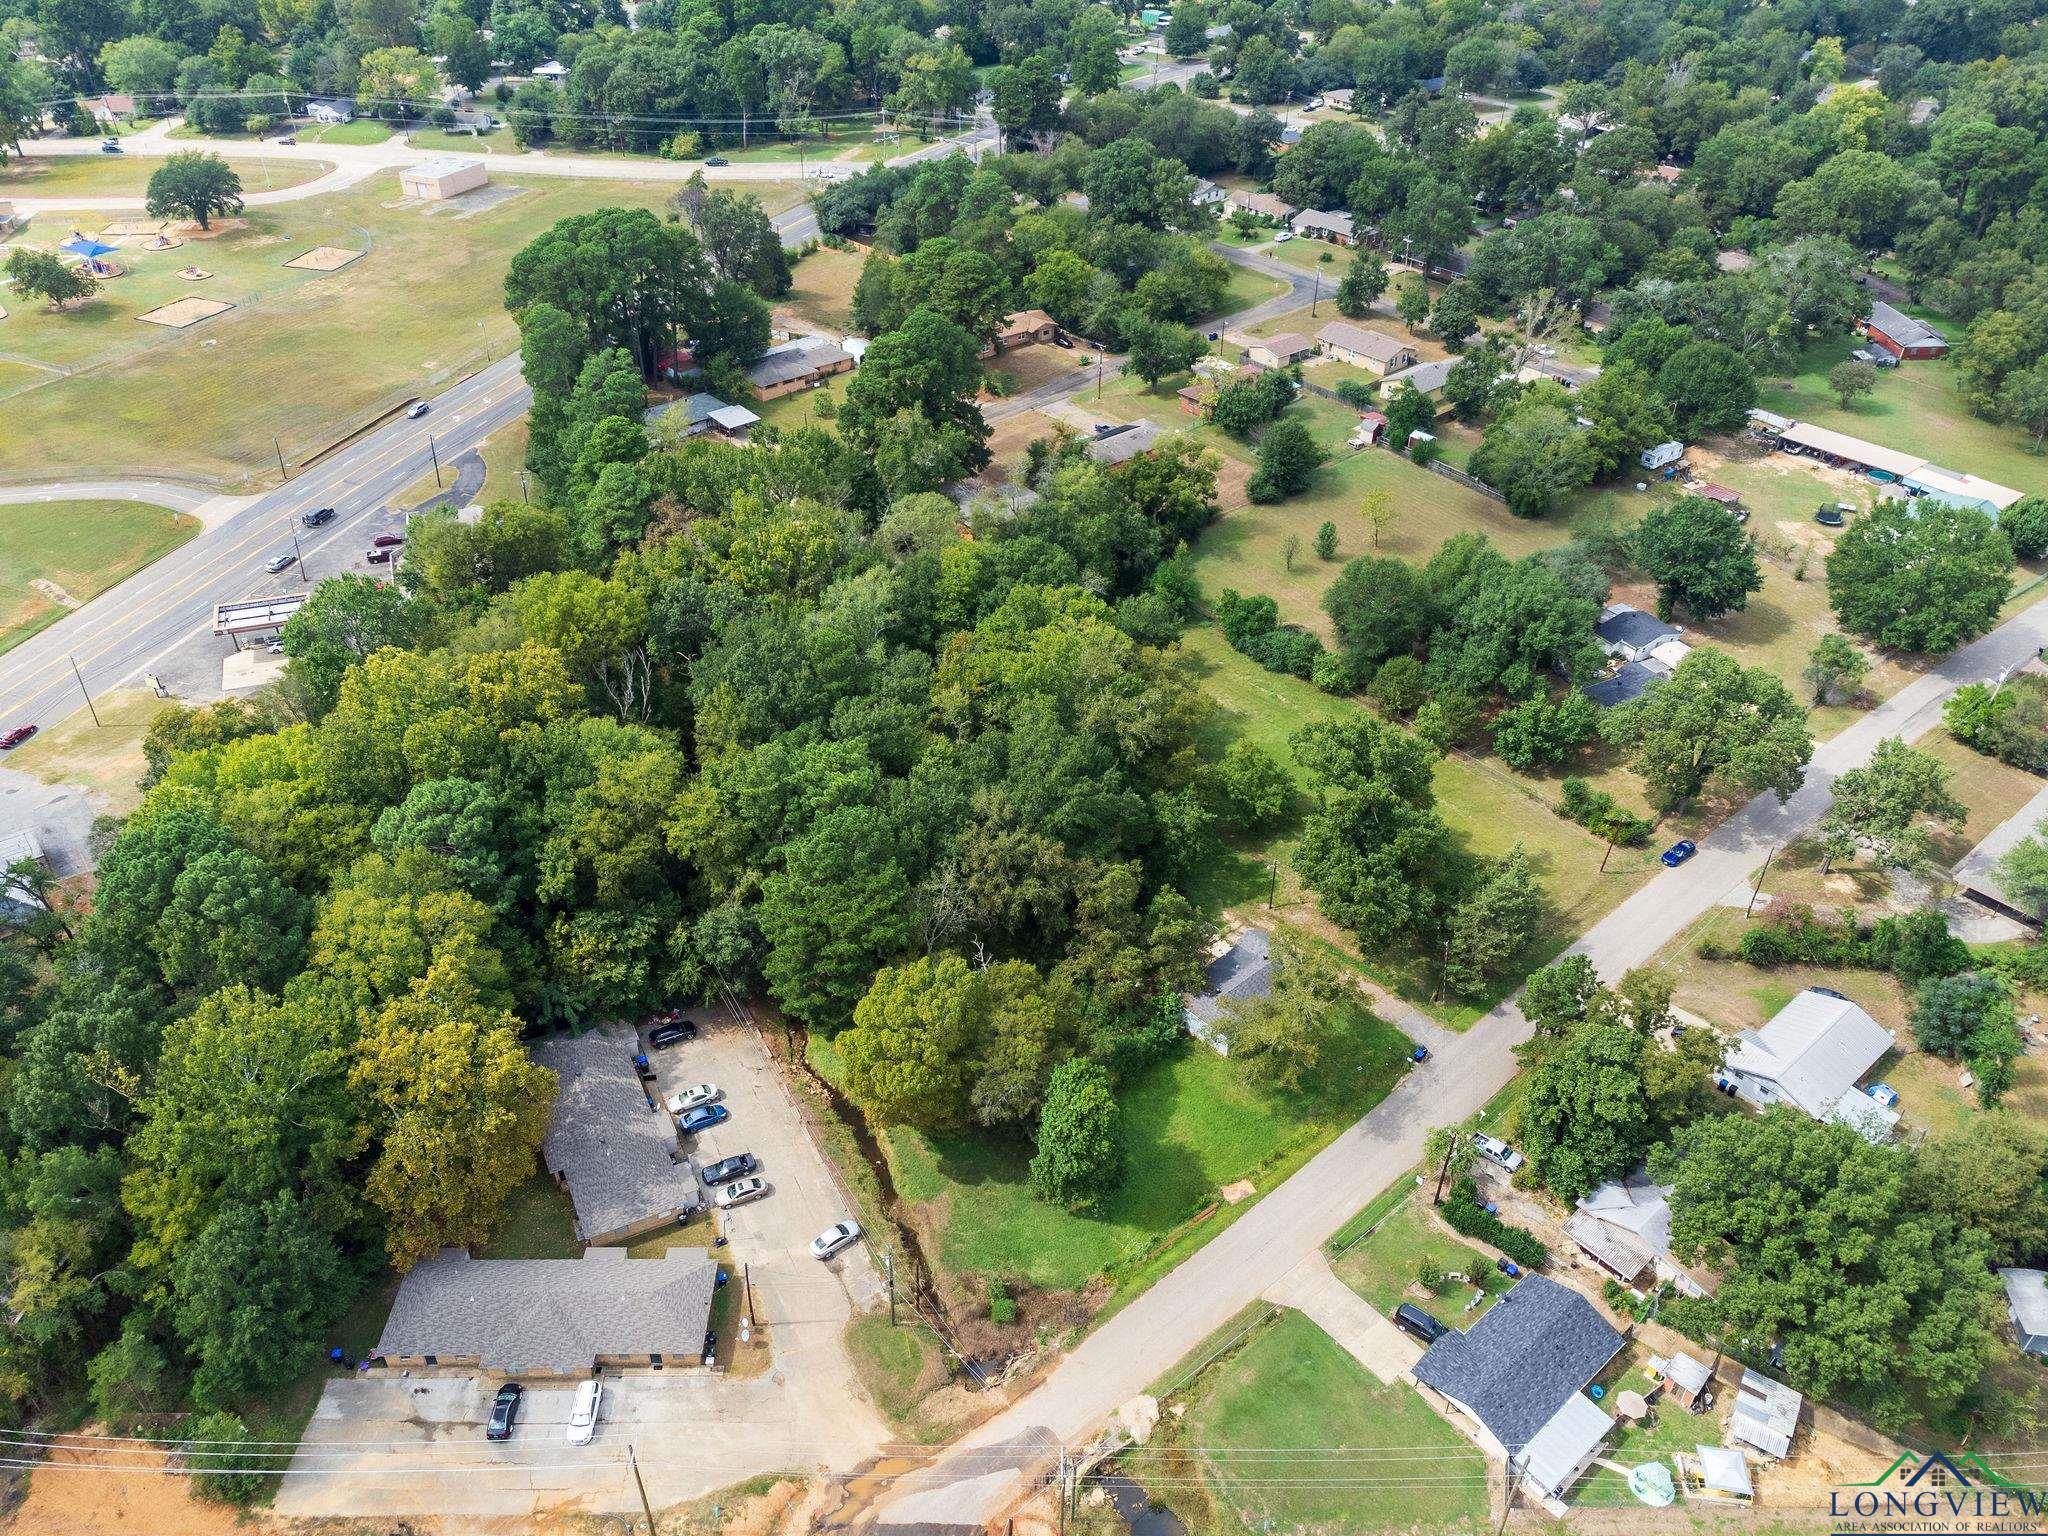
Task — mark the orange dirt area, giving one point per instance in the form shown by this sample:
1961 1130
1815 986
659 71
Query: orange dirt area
90 1493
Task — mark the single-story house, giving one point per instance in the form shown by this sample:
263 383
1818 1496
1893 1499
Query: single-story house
1239 971
551 1317
1363 347
1960 489
1428 378
1686 1380
553 69
111 108
2026 1300
1317 224
1624 1227
1027 327
1207 193
1626 633
1121 443
702 413
1194 398
1978 875
1342 99
1662 455
1715 1472
1264 204
802 362
331 109
1668 174
1810 1055
610 1144
1279 351
1766 1415
1520 1374
1901 335
443 177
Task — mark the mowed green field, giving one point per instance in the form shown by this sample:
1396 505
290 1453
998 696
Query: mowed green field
1915 409
128 176
306 357
1342 1451
80 548
1191 1124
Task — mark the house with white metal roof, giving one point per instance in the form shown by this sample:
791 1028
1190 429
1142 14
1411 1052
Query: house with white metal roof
1812 1053
2026 1302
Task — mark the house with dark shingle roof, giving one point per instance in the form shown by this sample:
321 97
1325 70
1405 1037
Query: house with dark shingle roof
609 1144
1240 972
1520 1374
1629 634
551 1317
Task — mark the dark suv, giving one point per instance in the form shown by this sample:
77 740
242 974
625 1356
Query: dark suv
317 516
675 1033
1413 1320
504 1411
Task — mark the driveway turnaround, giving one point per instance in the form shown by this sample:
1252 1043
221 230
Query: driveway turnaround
412 1446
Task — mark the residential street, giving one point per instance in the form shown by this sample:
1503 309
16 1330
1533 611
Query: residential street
987 1470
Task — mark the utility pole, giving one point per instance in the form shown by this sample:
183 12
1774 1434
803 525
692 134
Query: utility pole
1443 1173
82 689
298 553
1316 296
747 1284
1606 856
634 1462
889 1264
1507 1502
1758 890
435 454
1063 1488
278 448
522 487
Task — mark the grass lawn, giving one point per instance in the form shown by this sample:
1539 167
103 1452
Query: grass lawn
855 141
52 550
535 1224
801 409
459 141
1386 1267
106 758
361 130
900 1366
128 176
1288 1385
1915 408
504 455
304 356
1487 807
1246 288
824 287
1669 1430
1191 1124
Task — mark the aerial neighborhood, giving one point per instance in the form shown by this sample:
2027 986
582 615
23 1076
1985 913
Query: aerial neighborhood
1241 769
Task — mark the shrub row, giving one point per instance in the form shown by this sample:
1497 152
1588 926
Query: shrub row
1601 814
1912 947
1465 1214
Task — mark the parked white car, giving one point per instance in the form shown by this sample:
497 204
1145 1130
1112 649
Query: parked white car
1494 1150
841 1234
583 1417
687 1099
739 1192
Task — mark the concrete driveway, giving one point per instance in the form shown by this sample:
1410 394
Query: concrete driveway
413 1445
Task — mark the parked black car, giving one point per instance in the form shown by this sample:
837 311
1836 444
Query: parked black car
1412 1319
726 1169
504 1411
672 1034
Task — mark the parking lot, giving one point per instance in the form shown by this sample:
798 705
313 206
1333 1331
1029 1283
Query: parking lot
393 1444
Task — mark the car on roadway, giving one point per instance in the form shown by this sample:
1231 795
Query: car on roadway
739 1192
504 1411
110 147
1679 852
676 1032
419 409
16 735
378 554
841 1234
278 563
716 160
726 1169
387 541
703 1117
1411 1319
289 138
1494 1150
684 1100
583 1415
317 517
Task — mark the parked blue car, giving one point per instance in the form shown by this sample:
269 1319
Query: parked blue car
1679 852
702 1118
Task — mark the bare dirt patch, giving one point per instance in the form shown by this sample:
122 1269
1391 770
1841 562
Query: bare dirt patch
86 1492
180 313
324 258
53 592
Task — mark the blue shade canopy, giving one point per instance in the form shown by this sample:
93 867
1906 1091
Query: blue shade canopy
87 247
